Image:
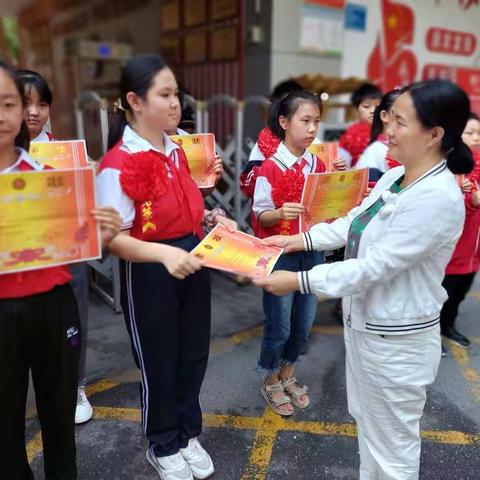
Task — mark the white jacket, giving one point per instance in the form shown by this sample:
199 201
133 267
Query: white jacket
394 286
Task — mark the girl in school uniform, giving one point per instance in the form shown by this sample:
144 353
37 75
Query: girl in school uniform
39 100
463 266
39 326
165 293
375 157
276 206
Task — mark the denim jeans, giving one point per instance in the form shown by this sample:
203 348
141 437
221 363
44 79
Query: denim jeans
288 318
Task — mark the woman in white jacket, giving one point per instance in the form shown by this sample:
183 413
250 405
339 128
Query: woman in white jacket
398 243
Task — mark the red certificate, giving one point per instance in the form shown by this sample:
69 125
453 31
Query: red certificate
328 196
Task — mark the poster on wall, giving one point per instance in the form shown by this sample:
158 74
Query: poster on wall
407 40
321 27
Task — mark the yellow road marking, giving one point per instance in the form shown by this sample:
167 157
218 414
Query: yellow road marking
100 386
462 359
475 295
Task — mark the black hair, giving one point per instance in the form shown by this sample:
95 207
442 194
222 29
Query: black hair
364 91
385 105
283 88
22 140
473 116
33 79
137 76
441 103
286 107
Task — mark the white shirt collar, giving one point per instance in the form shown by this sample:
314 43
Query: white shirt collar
287 158
23 157
134 143
41 137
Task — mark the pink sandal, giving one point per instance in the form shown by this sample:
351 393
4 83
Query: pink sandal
295 391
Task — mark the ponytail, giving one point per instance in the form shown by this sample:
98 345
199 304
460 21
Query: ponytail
117 127
286 107
460 159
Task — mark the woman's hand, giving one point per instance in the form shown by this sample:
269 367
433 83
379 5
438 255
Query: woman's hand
110 223
180 264
340 164
293 243
291 211
226 222
279 282
218 168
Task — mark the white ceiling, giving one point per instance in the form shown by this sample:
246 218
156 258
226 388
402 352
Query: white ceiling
11 8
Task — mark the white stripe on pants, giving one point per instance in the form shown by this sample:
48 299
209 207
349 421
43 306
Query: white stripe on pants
386 389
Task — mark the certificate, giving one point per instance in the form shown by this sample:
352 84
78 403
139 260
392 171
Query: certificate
60 155
328 196
46 219
326 152
237 252
200 151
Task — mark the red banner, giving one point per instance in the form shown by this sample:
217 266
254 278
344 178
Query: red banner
442 40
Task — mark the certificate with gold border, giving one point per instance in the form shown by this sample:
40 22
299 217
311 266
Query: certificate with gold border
60 155
46 219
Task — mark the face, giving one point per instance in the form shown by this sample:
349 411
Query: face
301 128
160 109
11 111
37 112
471 134
366 109
408 140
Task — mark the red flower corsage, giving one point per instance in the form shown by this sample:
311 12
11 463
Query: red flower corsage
268 142
144 176
288 188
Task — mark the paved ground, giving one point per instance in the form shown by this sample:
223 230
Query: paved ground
246 441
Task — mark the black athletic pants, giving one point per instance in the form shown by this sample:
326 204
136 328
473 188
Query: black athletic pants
457 287
40 333
169 325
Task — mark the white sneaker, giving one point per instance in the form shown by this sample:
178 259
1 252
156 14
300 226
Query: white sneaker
198 459
84 411
172 467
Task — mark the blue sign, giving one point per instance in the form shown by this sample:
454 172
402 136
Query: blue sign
355 17
104 50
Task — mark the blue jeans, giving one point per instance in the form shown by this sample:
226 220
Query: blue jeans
288 318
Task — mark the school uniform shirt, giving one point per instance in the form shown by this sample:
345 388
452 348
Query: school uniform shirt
274 174
375 159
392 282
153 191
23 284
43 136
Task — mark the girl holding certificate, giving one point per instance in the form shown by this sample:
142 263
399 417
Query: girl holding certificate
463 265
398 243
39 99
276 206
39 326
165 293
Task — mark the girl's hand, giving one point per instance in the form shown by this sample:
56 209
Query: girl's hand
293 243
180 264
279 282
476 198
367 192
110 223
340 164
218 168
291 211
466 186
226 222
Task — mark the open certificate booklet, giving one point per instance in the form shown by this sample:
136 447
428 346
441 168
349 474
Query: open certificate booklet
326 152
60 155
328 196
46 219
236 252
200 151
